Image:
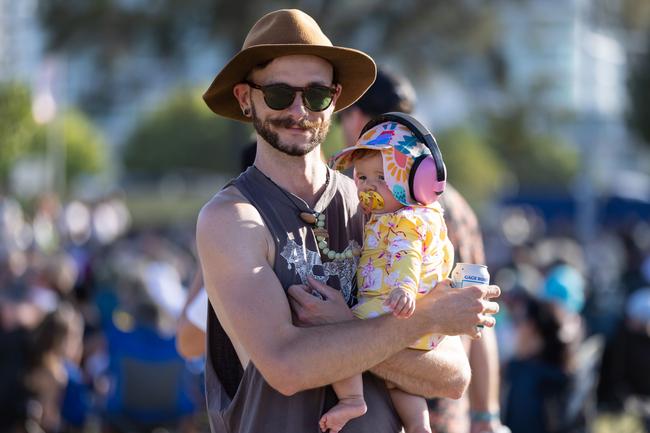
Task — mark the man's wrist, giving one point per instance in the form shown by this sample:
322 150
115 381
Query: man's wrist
484 416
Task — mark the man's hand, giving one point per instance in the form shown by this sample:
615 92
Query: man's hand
401 302
326 306
458 311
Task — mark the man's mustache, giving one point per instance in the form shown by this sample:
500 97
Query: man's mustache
287 122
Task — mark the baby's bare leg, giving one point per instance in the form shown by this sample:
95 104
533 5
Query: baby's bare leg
351 404
412 410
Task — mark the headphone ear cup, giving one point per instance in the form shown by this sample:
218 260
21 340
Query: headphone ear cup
423 181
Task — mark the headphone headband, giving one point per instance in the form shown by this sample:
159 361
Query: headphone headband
422 134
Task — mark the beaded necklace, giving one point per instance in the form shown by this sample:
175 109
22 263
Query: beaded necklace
317 222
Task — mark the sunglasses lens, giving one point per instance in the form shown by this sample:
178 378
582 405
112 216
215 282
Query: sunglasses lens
281 96
317 98
278 96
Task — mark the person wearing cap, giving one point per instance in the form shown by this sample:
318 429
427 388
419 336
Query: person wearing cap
390 92
266 369
406 251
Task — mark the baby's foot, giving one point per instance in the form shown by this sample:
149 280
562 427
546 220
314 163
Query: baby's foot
339 415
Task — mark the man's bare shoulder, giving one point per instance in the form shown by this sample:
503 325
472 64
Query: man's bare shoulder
230 218
228 205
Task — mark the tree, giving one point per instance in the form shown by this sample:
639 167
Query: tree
84 146
538 159
17 126
472 166
183 134
21 137
421 34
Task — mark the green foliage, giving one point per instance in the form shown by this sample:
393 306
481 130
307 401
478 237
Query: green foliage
20 136
17 126
538 160
631 15
472 166
85 147
420 34
182 135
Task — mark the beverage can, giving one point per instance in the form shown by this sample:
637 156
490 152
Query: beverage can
469 274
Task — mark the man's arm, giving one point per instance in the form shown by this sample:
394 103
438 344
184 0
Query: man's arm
253 308
442 372
190 340
484 388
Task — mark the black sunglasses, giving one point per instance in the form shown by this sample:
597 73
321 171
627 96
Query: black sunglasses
280 96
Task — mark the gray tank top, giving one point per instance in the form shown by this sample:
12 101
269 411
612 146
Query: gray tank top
241 401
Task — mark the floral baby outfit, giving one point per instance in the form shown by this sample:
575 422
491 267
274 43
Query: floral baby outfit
408 248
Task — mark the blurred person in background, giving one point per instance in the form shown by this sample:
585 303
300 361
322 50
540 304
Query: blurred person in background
545 307
538 375
56 353
393 92
149 384
36 368
624 378
565 286
18 318
240 256
51 279
192 323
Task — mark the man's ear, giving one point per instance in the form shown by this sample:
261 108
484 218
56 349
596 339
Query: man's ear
242 94
339 89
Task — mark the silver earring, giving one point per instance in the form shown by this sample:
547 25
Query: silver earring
247 112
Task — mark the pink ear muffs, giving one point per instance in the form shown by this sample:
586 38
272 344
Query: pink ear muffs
424 184
428 174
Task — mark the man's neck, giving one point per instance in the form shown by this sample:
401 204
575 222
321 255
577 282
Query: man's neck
304 176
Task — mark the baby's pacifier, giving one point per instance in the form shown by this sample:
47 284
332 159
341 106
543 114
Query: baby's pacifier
371 200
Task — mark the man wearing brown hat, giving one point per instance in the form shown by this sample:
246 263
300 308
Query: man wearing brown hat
286 232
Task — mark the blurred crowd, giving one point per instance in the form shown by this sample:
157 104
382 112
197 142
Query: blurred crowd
574 335
89 304
88 309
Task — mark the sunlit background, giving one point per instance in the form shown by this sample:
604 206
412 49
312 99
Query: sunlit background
107 151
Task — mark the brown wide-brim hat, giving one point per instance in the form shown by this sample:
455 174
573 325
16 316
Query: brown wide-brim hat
283 33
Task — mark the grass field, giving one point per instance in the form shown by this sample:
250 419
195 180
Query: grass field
170 203
624 423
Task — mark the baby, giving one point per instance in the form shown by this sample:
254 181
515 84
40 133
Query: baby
405 252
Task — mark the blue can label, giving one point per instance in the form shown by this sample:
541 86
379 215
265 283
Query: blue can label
468 274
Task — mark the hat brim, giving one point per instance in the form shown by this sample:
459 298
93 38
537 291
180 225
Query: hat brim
342 160
355 72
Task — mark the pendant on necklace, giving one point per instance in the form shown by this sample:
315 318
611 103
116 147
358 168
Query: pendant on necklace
308 217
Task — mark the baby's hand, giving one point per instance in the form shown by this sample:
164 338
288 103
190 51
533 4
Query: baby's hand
401 302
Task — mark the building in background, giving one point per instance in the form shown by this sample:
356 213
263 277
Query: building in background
21 41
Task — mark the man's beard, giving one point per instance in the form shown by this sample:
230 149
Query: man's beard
263 128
